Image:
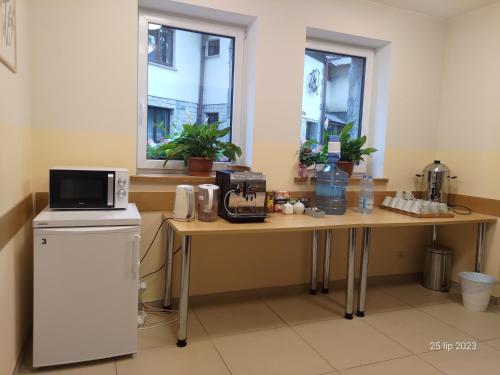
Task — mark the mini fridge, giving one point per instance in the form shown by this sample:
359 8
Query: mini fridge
86 272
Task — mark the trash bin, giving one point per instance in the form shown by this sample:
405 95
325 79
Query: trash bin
437 268
476 290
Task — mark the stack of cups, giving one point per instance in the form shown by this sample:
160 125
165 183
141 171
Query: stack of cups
405 201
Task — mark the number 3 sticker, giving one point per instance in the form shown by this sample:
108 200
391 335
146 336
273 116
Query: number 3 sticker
44 241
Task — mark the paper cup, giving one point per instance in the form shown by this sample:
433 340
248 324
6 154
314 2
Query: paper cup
386 201
400 204
417 207
407 205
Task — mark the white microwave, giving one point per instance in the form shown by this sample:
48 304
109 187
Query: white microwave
75 188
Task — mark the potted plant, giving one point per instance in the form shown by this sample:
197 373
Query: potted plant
351 149
198 145
307 156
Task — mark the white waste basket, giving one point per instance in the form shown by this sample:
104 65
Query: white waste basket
476 290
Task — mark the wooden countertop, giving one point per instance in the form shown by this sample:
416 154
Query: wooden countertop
296 223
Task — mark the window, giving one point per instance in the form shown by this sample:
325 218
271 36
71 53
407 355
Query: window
336 89
213 47
158 123
312 130
160 44
180 82
212 117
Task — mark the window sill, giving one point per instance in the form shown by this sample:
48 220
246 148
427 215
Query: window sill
352 180
174 179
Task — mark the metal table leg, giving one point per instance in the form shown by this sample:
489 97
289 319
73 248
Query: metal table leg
351 250
363 274
326 264
167 299
184 295
434 236
480 247
314 261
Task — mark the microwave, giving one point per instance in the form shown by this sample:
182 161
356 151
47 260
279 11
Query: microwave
78 188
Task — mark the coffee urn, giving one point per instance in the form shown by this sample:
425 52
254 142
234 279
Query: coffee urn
435 182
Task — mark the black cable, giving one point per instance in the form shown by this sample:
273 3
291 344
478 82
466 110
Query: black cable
456 208
159 269
153 240
153 272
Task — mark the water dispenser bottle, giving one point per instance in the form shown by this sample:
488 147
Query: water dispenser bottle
331 183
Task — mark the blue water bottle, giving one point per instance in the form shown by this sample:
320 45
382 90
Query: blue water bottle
331 183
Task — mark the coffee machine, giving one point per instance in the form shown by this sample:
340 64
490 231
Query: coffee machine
242 196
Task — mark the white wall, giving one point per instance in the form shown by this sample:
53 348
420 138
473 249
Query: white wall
338 89
15 168
182 81
217 71
469 125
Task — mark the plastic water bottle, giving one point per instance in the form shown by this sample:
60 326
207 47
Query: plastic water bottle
331 183
366 194
362 194
369 195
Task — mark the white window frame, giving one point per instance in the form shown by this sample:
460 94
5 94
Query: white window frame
237 125
369 55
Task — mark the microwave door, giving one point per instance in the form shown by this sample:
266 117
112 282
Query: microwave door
77 189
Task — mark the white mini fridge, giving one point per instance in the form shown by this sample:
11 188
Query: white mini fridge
86 272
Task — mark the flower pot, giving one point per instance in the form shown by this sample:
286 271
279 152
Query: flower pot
346 166
302 170
199 166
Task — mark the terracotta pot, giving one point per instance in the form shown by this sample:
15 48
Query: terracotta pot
199 166
346 166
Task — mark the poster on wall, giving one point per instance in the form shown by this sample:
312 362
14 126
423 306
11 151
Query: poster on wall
8 33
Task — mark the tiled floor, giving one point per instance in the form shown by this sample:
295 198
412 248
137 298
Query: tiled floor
307 335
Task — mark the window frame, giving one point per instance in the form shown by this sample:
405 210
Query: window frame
369 55
239 66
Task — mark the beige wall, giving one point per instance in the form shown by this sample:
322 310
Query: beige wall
15 169
84 84
469 126
84 99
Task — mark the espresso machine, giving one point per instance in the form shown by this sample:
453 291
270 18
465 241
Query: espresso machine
242 196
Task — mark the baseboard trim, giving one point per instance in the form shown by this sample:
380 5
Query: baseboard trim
284 290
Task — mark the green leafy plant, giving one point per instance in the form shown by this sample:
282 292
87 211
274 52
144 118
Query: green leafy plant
199 140
307 155
351 149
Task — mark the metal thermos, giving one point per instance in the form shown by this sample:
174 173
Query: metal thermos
435 182
437 268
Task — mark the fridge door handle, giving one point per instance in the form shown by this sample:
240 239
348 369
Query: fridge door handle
135 257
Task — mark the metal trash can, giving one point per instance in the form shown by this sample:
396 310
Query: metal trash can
437 268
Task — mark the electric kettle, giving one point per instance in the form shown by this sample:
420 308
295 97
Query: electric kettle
184 202
208 202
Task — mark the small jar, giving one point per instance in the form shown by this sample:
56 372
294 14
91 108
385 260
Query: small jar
298 208
287 208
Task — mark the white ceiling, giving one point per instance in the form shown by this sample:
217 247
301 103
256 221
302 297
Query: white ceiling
438 8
